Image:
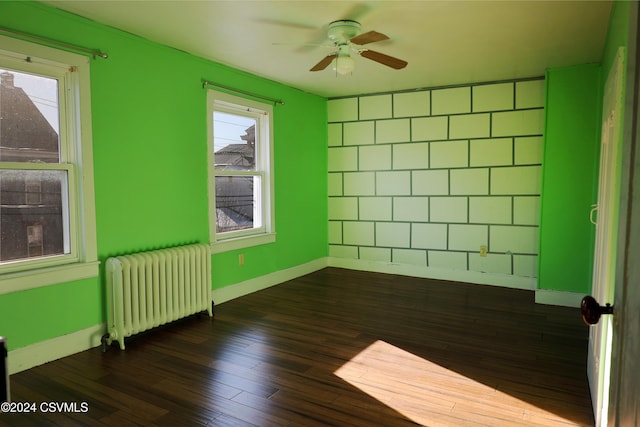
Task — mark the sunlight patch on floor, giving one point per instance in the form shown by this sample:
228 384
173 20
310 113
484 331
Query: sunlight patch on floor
430 394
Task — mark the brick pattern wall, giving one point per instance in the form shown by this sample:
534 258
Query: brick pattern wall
427 177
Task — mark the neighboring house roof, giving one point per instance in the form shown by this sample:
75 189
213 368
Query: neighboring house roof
229 220
238 156
235 156
25 134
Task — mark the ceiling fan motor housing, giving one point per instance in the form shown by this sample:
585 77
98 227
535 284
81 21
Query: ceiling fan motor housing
341 31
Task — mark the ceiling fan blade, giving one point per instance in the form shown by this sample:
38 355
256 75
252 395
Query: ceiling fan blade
383 59
305 44
368 37
283 23
358 11
324 63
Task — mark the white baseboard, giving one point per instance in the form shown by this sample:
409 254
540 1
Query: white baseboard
252 285
42 352
476 277
27 357
562 298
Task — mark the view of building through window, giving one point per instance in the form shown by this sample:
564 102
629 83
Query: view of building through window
32 195
235 151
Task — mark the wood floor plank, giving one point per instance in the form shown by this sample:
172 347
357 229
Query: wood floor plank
335 347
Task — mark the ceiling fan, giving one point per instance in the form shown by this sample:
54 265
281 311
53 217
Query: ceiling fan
347 37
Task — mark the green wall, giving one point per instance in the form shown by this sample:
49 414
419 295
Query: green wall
571 161
149 143
569 170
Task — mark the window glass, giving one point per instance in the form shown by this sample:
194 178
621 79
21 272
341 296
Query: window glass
24 205
30 118
236 198
234 142
34 210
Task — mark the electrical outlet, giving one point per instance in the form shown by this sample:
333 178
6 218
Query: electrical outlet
483 250
241 259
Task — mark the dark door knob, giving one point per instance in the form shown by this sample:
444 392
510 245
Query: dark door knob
591 310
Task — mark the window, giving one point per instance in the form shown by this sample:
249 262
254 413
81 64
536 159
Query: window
32 190
34 239
240 181
47 221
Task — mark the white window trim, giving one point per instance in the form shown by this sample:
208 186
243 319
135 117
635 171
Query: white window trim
84 263
222 242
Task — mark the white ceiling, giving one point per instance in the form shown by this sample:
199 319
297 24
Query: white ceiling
445 42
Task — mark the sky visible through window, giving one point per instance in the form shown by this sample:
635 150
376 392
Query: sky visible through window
228 128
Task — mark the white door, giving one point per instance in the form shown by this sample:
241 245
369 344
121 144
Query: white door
624 397
601 334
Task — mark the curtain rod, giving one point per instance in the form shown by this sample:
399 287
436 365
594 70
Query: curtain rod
31 37
206 83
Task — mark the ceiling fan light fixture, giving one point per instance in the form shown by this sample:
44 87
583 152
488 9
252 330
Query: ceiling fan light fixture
344 64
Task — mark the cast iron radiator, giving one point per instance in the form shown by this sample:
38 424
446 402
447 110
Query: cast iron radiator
148 289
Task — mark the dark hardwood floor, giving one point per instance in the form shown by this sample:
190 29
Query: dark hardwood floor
335 347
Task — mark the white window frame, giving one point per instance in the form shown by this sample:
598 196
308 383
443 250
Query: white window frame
73 74
263 114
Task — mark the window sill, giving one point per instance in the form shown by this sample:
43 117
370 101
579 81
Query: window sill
23 280
242 242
